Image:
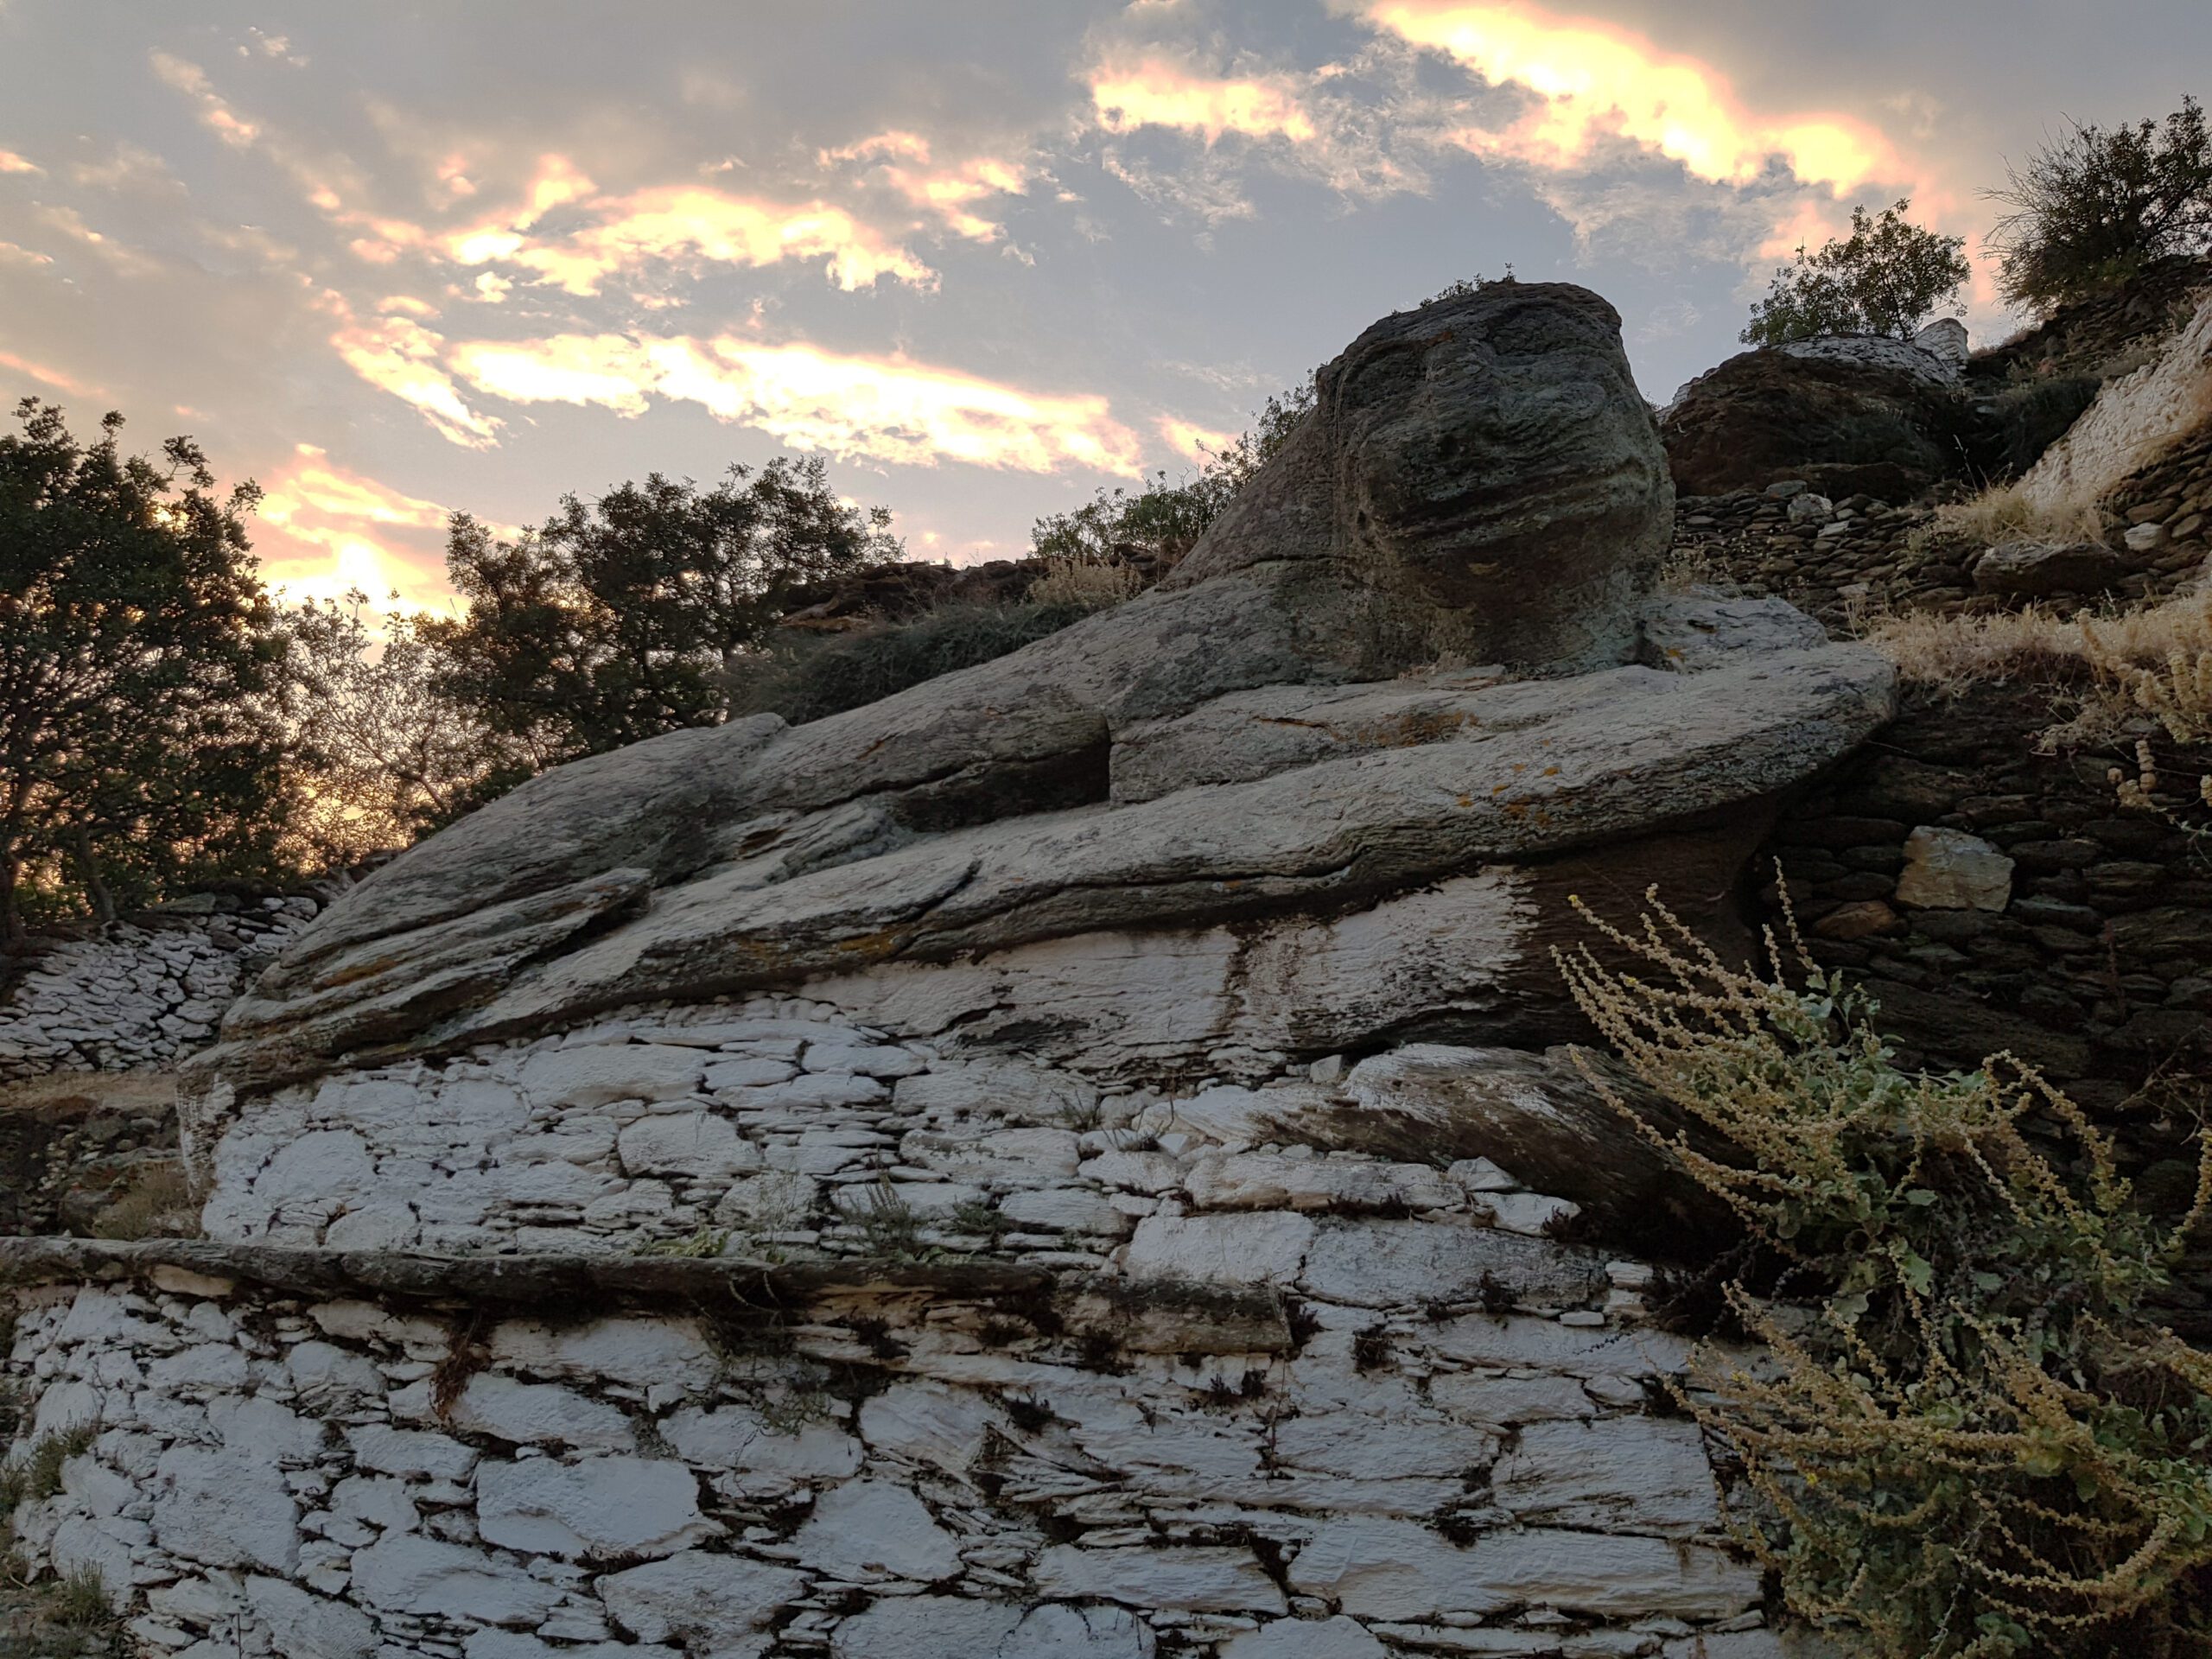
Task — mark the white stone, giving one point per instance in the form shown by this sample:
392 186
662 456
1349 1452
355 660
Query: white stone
329 1166
599 1075
1267 1248
696 1595
418 1452
1623 1474
402 1572
1188 1579
327 1376
870 1530
225 1508
729 1437
539 1413
375 1501
641 1353
310 1627
1950 869
1141 1172
513 1645
696 1144
747 1071
610 1505
1261 1180
928 1423
927 1627
1328 1638
1064 1209
266 1430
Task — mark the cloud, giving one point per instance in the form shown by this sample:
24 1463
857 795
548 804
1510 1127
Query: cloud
398 354
1593 82
324 530
52 377
1190 441
12 163
629 235
902 161
129 167
879 409
1153 90
215 112
125 260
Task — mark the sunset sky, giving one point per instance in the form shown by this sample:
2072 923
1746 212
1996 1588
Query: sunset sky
392 260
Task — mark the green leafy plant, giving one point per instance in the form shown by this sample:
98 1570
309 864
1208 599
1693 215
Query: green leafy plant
1884 278
2096 207
1967 1437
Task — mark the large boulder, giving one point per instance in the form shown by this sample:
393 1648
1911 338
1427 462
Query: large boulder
1262 802
1883 416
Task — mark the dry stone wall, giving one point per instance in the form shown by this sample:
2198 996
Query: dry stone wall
138 993
1267 1401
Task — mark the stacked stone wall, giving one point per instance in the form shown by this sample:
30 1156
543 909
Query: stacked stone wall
144 993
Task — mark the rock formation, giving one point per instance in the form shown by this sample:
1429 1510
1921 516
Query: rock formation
1060 1161
1882 417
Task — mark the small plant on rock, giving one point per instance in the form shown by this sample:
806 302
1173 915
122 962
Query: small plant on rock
1968 1438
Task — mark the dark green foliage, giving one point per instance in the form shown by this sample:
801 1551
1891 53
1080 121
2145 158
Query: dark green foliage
813 678
1884 278
614 621
2091 209
143 731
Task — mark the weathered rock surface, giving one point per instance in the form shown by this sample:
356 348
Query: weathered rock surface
1847 415
2041 569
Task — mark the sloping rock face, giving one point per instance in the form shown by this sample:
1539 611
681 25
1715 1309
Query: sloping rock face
1883 417
1227 756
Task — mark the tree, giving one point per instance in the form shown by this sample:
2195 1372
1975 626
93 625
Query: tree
142 736
2093 208
383 759
1884 278
613 621
1156 525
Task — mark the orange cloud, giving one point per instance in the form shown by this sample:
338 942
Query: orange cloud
1593 81
625 235
399 355
902 161
324 530
1190 441
52 377
1152 92
883 408
12 163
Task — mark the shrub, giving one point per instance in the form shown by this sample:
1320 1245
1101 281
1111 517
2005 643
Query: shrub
1967 1437
2093 209
811 678
1884 278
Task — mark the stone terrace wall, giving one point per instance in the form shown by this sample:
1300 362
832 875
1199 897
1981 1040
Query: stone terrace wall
138 993
781 1124
1862 557
886 1473
1995 897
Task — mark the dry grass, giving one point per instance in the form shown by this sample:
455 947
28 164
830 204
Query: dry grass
158 1204
2002 513
1085 581
1950 653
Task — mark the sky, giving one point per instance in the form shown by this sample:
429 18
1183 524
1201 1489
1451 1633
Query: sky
984 256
